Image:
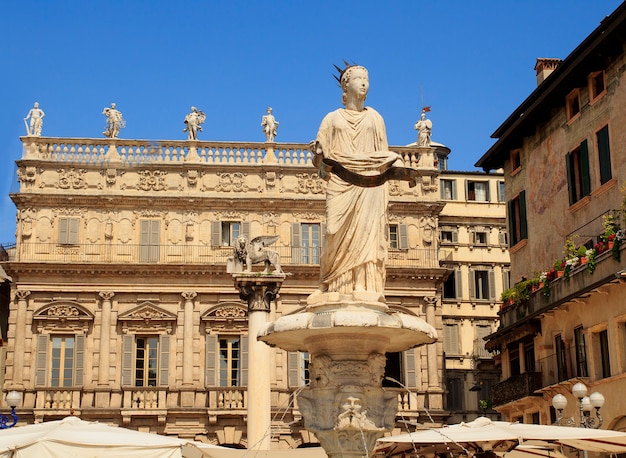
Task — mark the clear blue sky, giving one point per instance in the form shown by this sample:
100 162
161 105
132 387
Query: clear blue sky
471 61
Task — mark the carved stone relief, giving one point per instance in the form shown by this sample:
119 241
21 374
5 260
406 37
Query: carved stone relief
72 179
309 183
27 175
152 180
235 182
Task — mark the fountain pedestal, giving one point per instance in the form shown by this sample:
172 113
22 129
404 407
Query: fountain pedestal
345 405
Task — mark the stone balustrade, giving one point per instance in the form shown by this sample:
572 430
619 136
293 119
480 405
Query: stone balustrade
50 401
89 151
193 254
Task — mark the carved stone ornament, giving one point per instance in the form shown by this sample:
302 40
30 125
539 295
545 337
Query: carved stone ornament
147 312
152 180
72 179
345 406
27 175
62 314
229 317
230 312
310 183
232 182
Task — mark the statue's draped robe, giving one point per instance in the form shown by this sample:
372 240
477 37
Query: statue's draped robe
356 221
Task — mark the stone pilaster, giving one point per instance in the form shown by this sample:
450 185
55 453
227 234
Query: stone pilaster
20 338
188 337
105 338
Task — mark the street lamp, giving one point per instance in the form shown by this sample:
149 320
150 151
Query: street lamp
14 398
585 405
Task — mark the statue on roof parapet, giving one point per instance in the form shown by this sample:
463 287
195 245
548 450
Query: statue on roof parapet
35 115
270 125
424 129
115 121
193 123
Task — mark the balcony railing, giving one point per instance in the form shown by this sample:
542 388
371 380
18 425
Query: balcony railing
516 387
143 400
563 289
138 152
191 254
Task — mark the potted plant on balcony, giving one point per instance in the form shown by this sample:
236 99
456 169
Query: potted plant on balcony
508 297
591 260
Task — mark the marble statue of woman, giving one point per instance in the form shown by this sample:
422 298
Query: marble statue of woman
115 121
354 139
424 128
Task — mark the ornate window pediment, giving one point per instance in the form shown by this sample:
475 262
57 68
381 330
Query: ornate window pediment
63 315
147 316
226 317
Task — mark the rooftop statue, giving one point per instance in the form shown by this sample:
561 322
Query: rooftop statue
424 128
115 122
35 115
352 154
192 123
270 125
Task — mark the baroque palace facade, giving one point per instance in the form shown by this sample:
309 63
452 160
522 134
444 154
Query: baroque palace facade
121 310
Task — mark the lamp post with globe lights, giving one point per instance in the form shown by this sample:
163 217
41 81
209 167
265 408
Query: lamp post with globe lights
585 403
14 398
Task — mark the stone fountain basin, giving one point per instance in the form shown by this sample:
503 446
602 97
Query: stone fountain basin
348 329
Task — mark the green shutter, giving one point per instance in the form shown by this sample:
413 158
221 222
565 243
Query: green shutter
210 375
604 154
523 224
410 368
244 360
571 178
41 370
164 360
293 368
403 237
79 361
472 284
127 360
511 214
296 244
584 169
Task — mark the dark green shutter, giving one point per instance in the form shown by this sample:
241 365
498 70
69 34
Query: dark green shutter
604 154
571 178
512 222
584 169
523 224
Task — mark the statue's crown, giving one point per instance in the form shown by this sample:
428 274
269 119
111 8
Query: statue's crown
344 71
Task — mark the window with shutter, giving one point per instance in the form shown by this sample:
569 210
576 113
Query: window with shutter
60 360
298 368
68 231
211 360
604 154
164 360
518 228
578 176
149 240
451 339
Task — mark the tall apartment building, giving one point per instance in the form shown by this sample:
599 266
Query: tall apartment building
563 151
473 234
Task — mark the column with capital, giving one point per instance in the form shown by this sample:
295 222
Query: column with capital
258 291
434 388
188 337
20 338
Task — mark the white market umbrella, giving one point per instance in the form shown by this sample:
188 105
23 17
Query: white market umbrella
202 452
483 434
72 436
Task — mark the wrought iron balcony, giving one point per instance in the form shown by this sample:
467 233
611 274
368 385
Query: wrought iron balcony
516 387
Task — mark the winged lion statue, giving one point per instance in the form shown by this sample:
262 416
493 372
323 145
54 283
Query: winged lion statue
246 253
